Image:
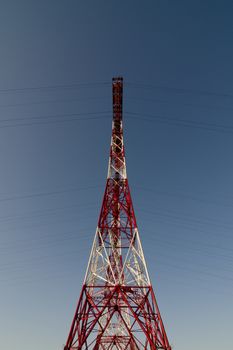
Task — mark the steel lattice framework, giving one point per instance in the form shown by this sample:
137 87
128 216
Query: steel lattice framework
117 309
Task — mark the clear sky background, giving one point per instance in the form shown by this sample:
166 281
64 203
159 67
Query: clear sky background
57 59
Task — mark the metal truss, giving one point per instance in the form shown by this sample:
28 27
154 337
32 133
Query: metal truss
117 308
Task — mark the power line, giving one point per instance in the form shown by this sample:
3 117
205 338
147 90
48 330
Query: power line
54 87
183 196
169 102
59 118
49 193
45 258
108 83
177 90
198 221
203 248
181 122
53 101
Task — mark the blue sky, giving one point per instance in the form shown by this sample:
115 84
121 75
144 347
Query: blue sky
57 60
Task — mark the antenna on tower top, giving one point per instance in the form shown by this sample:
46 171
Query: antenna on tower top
117 93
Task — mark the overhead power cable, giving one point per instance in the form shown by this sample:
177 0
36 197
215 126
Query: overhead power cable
184 196
181 122
49 193
61 118
44 259
193 220
54 87
108 83
178 90
178 102
51 119
53 101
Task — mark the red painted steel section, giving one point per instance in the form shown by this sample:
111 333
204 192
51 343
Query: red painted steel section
131 308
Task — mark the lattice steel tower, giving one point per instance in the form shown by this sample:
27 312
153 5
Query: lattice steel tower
117 309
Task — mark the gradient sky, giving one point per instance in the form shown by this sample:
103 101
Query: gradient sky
176 59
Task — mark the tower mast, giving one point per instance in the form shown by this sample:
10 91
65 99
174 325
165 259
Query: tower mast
117 309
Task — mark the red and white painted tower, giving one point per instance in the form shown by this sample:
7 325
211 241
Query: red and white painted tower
117 309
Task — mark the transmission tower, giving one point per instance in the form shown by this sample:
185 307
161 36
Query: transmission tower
117 309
